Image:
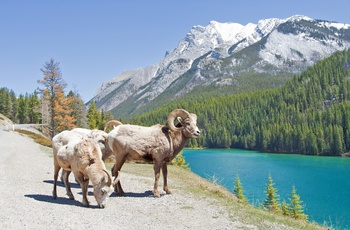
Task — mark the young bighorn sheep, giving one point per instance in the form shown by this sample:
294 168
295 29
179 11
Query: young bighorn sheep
99 136
157 143
83 157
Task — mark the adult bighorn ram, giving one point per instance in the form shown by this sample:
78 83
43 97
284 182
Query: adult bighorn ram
157 143
81 155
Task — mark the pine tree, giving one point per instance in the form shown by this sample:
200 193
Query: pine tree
34 109
93 116
271 203
295 208
8 104
14 106
180 160
285 210
104 118
63 118
78 110
238 190
58 104
45 112
22 109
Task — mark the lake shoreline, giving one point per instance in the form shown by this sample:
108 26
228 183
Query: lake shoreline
345 155
320 181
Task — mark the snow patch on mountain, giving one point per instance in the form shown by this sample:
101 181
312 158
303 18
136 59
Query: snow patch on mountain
292 48
281 47
225 31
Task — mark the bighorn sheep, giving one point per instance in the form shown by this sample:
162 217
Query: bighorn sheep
157 143
82 156
100 137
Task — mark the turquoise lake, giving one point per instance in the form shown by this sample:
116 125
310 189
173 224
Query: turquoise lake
321 182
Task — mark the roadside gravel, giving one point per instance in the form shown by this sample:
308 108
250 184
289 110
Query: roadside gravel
26 176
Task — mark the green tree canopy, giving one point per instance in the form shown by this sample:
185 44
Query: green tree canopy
238 190
93 116
295 208
271 203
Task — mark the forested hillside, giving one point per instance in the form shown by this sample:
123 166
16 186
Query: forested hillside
308 115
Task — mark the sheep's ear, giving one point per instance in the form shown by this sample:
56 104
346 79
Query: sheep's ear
179 119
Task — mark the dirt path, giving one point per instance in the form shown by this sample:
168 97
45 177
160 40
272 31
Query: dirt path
26 174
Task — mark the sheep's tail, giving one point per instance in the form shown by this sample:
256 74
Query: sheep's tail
113 123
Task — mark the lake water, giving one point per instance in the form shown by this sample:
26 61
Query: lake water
323 183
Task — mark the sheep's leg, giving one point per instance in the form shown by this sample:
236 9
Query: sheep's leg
62 175
156 166
65 178
84 187
56 171
165 176
115 172
84 184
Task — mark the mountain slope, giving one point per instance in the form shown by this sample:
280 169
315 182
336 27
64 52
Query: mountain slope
310 114
226 56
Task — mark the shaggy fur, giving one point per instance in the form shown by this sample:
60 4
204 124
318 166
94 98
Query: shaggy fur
82 156
99 136
158 144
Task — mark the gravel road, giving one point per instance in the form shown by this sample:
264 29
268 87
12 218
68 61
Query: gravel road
26 176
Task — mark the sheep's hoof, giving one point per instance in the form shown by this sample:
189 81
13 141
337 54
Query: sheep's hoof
86 203
120 193
70 195
54 194
156 194
167 191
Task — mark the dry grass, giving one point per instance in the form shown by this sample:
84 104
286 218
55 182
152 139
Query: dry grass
36 137
186 181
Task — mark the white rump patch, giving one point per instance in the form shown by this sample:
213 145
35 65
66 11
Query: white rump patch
111 136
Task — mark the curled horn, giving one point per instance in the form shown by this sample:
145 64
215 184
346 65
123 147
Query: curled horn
112 123
109 182
174 114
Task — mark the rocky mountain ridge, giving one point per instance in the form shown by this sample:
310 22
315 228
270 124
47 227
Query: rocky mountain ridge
218 54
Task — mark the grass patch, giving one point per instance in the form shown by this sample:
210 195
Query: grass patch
36 137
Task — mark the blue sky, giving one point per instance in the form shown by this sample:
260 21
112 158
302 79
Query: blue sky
96 40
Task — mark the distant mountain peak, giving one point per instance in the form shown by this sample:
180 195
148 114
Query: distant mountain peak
299 17
221 53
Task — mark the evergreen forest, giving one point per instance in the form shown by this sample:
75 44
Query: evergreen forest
310 114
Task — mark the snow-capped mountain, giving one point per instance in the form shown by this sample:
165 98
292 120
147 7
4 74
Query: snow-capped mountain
220 52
